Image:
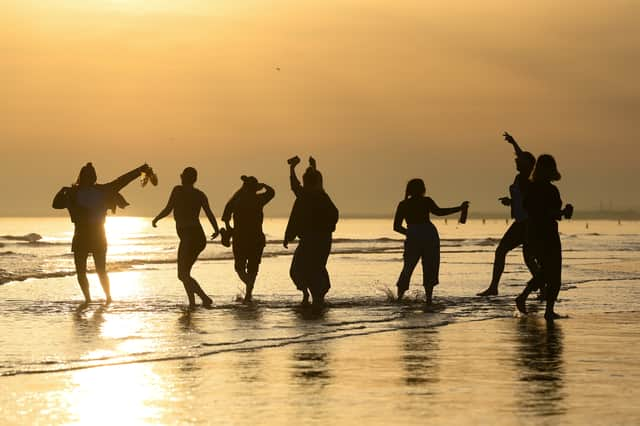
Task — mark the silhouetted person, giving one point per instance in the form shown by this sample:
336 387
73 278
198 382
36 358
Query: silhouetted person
515 235
88 202
422 239
543 205
313 220
186 201
245 207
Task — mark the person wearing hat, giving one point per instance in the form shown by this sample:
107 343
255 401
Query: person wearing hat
186 201
515 235
245 208
87 202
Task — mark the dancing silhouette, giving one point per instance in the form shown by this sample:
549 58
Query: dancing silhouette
87 203
422 239
245 208
313 219
515 235
185 202
544 207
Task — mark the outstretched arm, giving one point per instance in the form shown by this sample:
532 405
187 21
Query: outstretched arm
444 211
210 216
167 209
511 140
124 180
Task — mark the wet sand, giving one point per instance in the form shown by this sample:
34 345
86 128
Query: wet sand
582 370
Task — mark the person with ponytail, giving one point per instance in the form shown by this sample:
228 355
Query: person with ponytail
544 207
422 240
185 202
87 202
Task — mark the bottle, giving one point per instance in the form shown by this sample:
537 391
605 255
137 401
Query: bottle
463 213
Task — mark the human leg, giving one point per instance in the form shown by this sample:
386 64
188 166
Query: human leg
296 272
510 240
552 272
430 262
411 255
100 260
253 264
80 260
192 243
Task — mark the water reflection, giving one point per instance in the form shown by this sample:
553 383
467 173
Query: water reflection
249 364
87 324
311 364
420 357
540 366
123 394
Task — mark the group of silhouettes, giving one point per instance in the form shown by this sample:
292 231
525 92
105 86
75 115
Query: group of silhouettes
535 205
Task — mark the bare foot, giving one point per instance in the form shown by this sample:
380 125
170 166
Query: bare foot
400 294
305 298
551 316
207 303
488 292
108 300
521 304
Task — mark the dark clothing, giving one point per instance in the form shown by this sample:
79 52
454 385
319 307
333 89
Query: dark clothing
313 219
518 192
246 209
247 257
422 243
313 214
89 238
414 210
87 206
309 264
543 204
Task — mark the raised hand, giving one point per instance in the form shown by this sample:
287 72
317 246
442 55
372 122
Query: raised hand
312 162
293 161
509 138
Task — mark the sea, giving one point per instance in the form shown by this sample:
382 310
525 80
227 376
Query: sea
147 359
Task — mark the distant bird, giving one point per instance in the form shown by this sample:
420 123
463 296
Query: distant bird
277 68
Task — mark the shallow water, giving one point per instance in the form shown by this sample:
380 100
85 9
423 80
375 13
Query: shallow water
365 358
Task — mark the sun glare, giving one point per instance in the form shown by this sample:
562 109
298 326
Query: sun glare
120 228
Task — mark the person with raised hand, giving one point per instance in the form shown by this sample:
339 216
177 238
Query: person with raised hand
515 235
245 208
87 202
312 220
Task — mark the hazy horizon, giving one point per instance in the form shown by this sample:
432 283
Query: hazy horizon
379 92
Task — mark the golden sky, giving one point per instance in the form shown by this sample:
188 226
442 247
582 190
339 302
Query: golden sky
378 91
